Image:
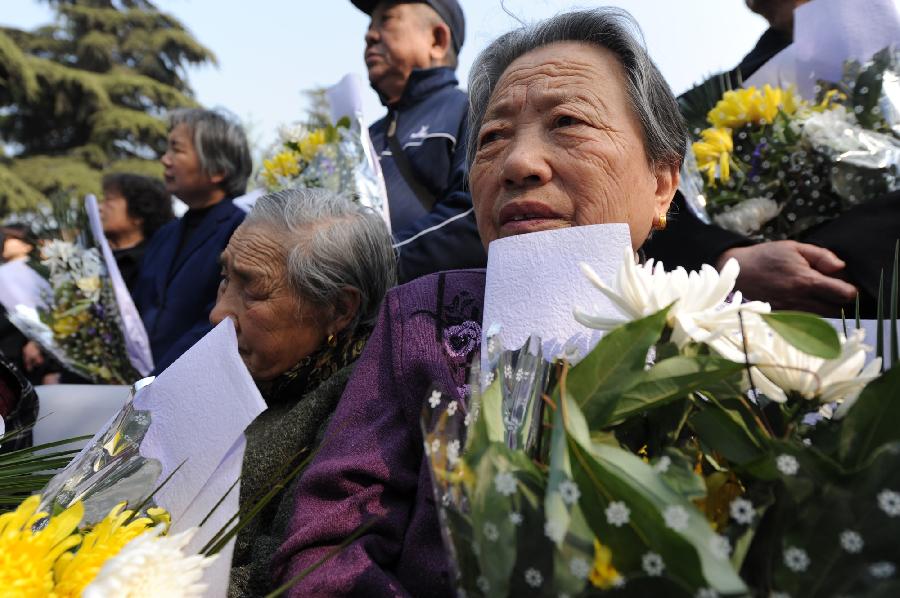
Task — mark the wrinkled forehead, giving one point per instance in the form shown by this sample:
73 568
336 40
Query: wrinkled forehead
256 249
557 73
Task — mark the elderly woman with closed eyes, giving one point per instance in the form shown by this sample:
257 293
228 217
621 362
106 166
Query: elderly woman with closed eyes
571 124
302 280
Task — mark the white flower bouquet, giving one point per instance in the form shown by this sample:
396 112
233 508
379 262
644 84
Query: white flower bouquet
84 317
705 447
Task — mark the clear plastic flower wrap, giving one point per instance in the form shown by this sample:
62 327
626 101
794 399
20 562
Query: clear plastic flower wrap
110 469
773 165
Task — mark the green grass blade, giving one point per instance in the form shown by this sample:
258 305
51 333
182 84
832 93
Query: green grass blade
879 331
844 322
858 320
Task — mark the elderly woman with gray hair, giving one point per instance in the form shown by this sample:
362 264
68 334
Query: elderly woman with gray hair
570 124
302 279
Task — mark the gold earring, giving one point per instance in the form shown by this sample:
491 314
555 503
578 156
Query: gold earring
332 341
660 223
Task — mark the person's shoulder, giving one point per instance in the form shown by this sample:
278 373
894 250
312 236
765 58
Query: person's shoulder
427 291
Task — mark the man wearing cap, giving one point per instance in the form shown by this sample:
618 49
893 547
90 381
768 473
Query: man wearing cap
411 54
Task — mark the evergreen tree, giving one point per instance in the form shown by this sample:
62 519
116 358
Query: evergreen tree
87 95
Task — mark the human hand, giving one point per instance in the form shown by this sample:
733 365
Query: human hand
32 356
791 275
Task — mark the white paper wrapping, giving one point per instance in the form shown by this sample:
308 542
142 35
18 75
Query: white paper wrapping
137 343
20 285
826 34
534 284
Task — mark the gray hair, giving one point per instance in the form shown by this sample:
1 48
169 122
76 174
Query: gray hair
332 244
665 134
221 146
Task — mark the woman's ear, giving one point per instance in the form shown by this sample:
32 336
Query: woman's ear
344 309
667 177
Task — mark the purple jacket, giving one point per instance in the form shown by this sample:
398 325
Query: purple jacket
371 462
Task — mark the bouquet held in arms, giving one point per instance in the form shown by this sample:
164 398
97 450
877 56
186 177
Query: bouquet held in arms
85 317
772 164
332 151
704 447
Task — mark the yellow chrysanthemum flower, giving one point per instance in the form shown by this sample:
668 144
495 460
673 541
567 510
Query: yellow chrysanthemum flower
740 107
309 145
713 154
27 558
65 326
284 165
603 575
74 571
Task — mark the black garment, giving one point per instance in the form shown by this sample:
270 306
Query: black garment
18 406
431 129
770 43
864 237
129 263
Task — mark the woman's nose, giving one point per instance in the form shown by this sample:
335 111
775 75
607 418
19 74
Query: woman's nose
165 159
525 163
222 310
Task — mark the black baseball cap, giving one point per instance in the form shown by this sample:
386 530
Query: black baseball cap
449 10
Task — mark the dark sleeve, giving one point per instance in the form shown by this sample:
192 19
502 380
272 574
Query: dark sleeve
689 242
446 238
366 471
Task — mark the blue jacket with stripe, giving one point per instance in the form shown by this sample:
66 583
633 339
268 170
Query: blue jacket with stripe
431 126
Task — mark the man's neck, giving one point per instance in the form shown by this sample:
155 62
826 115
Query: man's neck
125 240
205 201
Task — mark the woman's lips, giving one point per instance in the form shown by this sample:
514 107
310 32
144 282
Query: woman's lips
528 217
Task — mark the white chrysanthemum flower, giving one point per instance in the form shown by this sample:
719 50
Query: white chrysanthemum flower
515 518
435 446
151 565
882 569
782 368
749 216
889 502
851 541
57 255
652 564
787 464
533 577
796 559
617 513
452 407
569 492
742 511
700 312
676 517
435 399
491 533
505 483
580 568
555 530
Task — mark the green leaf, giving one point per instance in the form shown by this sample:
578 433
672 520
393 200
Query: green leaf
608 473
807 332
726 433
872 420
672 379
614 363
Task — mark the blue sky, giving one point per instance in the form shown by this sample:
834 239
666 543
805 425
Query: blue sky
269 51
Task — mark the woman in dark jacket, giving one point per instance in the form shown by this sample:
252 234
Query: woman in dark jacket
134 207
